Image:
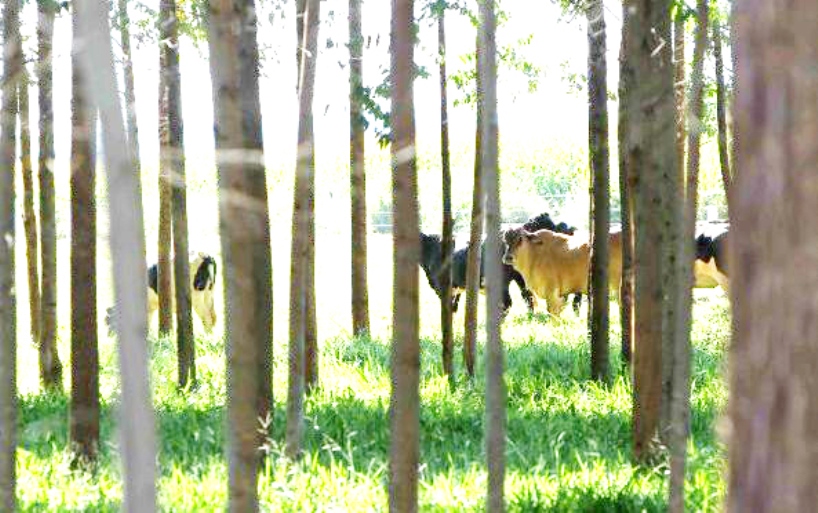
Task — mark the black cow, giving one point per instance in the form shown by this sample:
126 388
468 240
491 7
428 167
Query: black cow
431 262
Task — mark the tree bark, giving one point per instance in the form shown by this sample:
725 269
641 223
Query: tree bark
172 161
300 269
357 186
679 88
772 380
128 75
13 64
165 238
50 366
404 450
29 217
721 109
650 143
447 242
626 179
84 351
600 190
473 259
245 239
680 386
137 423
495 385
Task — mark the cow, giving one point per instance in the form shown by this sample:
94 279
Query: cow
554 264
711 258
202 281
431 262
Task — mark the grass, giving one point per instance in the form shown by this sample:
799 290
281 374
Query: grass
569 439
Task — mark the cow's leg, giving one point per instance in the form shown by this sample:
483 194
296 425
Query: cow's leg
528 296
455 301
577 303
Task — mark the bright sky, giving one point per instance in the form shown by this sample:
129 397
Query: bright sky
551 113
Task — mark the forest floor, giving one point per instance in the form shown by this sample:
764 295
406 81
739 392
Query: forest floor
569 439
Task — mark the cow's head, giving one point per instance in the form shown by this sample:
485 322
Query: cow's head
431 258
704 248
516 240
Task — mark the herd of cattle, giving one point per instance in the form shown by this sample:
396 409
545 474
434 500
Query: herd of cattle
551 261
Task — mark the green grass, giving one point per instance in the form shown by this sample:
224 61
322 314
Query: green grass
569 439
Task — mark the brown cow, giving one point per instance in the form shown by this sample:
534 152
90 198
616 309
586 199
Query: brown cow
554 265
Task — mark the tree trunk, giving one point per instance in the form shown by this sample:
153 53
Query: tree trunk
245 244
84 351
136 421
721 110
626 180
29 217
404 450
600 185
127 72
13 65
679 88
257 190
302 219
650 143
447 242
495 385
50 366
172 161
473 259
773 356
357 186
164 263
680 386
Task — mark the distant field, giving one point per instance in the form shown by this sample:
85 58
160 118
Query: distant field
569 440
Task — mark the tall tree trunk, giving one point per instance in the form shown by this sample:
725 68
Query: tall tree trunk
50 366
172 162
302 218
404 450
165 238
495 385
127 72
29 217
136 417
721 109
84 351
626 180
650 143
680 385
679 88
357 186
245 244
600 189
773 355
257 190
447 243
13 65
473 259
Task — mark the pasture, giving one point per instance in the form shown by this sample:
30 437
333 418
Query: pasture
569 439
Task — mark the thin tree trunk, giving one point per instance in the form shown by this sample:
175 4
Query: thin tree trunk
302 218
473 259
680 386
495 385
29 217
600 190
650 143
50 366
679 89
773 356
626 179
13 64
404 450
137 423
84 351
360 294
721 109
165 238
257 190
128 75
172 159
447 242
245 245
